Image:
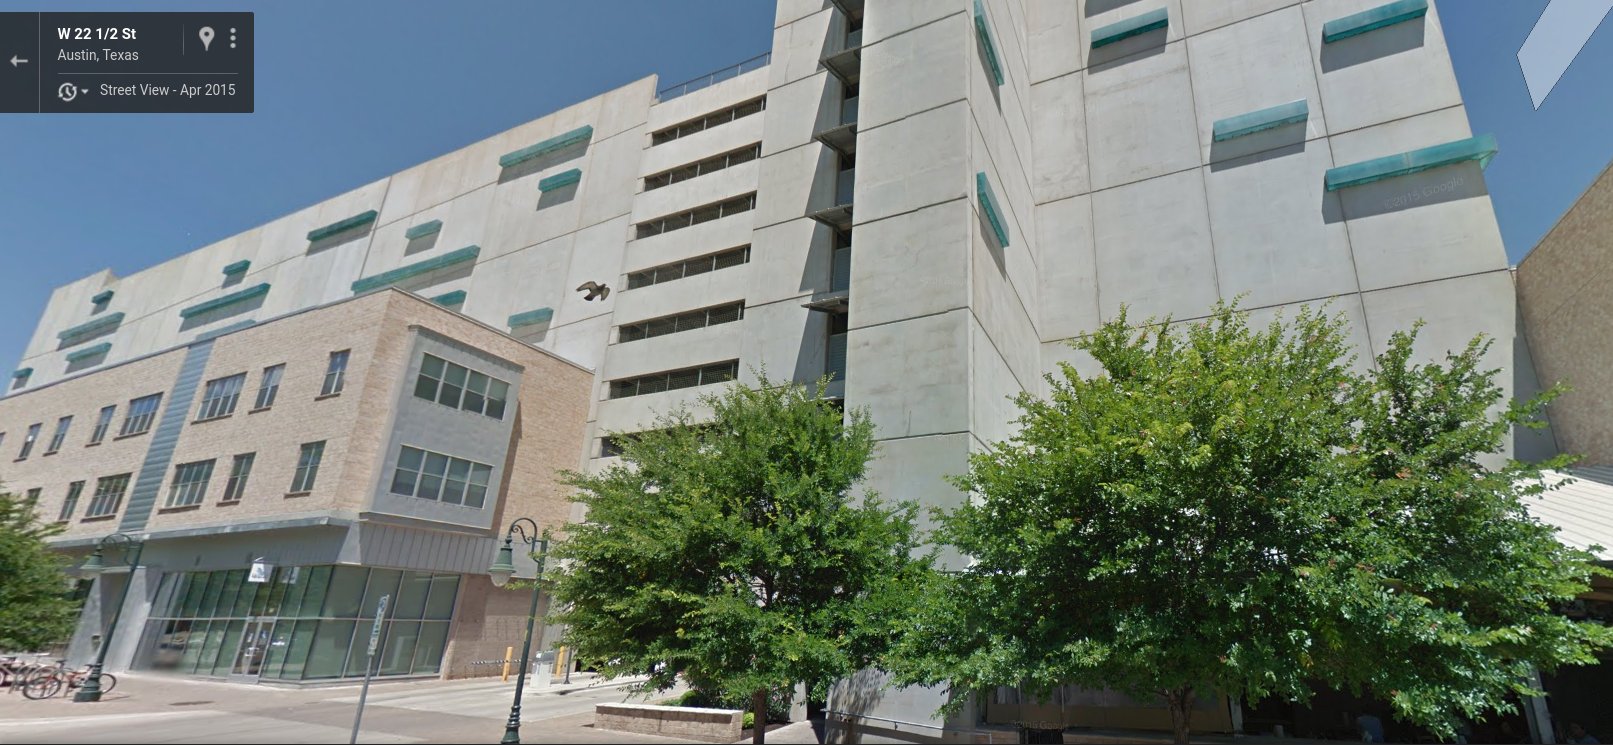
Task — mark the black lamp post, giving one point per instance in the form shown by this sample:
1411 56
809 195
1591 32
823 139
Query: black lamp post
503 567
91 690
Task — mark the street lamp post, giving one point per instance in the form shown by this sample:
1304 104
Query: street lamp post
91 690
503 567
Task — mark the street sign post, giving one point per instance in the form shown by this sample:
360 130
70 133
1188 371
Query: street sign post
369 664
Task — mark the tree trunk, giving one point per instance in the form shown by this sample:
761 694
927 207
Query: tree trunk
758 705
1180 701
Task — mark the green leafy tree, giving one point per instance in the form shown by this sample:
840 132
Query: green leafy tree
1208 516
35 611
1452 601
731 551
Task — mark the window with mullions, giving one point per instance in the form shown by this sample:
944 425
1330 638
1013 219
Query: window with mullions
426 475
60 436
74 490
690 321
28 440
700 168
690 268
102 422
698 215
190 483
335 374
313 621
220 397
142 413
240 469
108 495
307 467
461 387
714 119
720 372
269 386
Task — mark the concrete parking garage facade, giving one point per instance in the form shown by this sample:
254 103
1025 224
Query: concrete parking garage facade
926 200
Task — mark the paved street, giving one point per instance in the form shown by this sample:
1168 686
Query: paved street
155 709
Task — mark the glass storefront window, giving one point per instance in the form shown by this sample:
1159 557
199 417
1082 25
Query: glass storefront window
411 599
306 623
440 603
328 656
346 592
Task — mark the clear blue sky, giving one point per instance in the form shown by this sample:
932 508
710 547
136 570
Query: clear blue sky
351 90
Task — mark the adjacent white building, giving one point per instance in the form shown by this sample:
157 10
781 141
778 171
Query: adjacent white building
924 198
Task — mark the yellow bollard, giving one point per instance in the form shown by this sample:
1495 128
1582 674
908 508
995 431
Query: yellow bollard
508 653
560 660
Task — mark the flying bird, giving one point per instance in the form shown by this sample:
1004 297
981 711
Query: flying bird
595 290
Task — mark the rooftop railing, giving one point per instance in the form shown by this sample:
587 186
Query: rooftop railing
705 81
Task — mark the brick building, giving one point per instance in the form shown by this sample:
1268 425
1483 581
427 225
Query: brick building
373 446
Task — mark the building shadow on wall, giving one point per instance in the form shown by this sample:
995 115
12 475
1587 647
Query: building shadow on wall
220 314
1259 147
558 196
422 244
1121 52
1383 42
543 162
1437 186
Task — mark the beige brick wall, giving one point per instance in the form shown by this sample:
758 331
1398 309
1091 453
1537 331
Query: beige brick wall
1565 287
551 411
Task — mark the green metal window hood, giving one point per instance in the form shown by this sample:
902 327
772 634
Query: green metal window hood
1399 11
1481 149
456 297
341 226
87 329
1258 121
564 178
238 267
988 205
225 301
385 279
104 296
22 372
423 229
983 30
1115 32
531 317
89 352
553 144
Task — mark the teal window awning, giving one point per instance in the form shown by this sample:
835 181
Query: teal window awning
531 317
388 278
1399 11
423 229
238 267
22 372
88 329
342 226
551 145
1481 149
564 178
987 42
102 297
989 206
1258 121
89 352
457 297
1115 32
240 296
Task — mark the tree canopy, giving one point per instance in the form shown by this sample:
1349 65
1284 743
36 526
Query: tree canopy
1232 510
35 610
734 549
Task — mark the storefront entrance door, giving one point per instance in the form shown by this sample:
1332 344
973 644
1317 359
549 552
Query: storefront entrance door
254 644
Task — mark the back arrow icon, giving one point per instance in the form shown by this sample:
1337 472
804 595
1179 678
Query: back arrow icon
15 61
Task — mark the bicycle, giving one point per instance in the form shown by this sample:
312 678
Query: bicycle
48 682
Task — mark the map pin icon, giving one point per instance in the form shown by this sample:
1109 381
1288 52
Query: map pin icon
207 37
